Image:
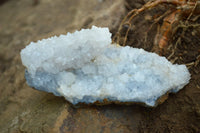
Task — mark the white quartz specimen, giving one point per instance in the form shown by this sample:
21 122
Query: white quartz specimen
86 67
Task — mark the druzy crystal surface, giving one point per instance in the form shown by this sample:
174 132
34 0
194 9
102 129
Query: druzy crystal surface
85 67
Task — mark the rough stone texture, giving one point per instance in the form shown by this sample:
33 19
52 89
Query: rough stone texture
84 67
23 109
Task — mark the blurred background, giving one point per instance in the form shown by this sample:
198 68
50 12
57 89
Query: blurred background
23 109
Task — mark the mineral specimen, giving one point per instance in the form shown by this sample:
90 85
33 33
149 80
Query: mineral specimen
86 67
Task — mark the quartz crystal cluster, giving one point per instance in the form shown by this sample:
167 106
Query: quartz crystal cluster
85 67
